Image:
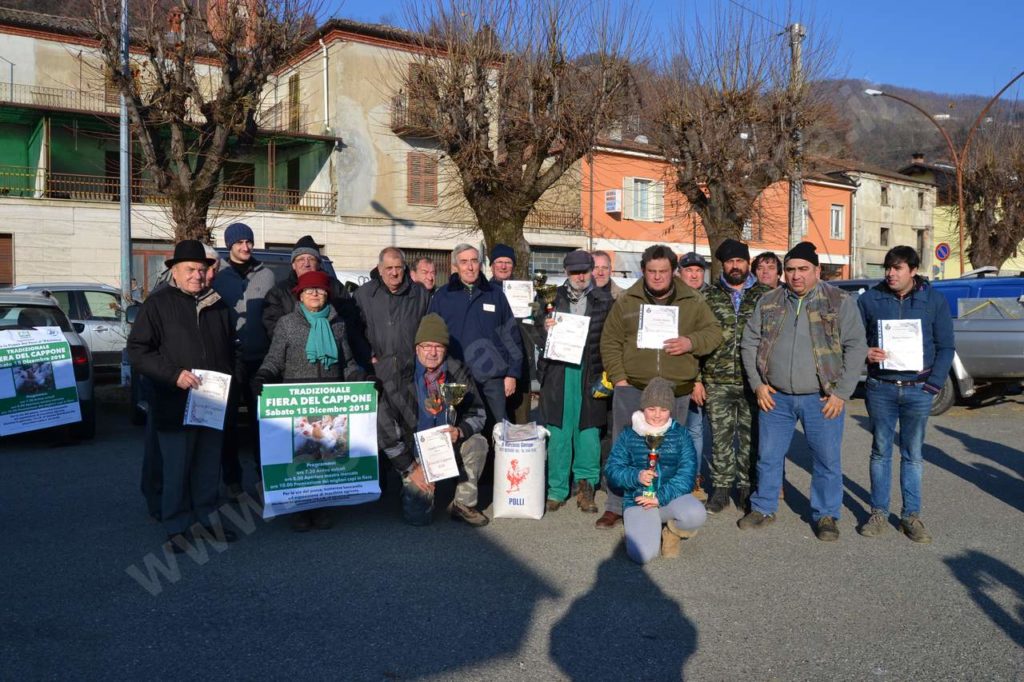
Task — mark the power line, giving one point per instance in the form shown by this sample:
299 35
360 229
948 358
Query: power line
757 14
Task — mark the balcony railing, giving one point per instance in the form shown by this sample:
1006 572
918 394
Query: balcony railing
279 117
554 220
32 183
410 117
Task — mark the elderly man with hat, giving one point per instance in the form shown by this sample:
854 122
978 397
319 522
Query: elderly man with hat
517 405
729 401
181 328
280 301
243 284
692 270
803 351
567 404
418 405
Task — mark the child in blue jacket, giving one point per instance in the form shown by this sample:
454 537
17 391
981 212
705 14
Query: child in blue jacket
672 478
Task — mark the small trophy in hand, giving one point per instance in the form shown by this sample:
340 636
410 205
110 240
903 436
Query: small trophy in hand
453 395
545 292
653 442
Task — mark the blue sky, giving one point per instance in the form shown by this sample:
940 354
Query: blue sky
946 46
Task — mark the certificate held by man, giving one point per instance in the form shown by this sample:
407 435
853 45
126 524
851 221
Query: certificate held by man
520 297
903 344
208 404
567 337
658 324
437 454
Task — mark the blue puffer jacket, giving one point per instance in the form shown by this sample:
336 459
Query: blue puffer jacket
677 465
922 303
484 334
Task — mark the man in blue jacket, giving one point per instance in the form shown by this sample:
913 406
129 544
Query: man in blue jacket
903 393
484 335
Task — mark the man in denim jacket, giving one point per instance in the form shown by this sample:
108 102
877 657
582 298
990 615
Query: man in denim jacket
903 395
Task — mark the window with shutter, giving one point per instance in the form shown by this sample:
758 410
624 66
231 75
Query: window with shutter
421 186
658 202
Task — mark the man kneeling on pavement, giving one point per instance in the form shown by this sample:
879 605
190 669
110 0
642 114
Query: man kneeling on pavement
405 411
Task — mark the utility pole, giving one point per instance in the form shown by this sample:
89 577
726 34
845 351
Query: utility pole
796 85
125 174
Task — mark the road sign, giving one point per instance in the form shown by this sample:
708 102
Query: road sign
942 251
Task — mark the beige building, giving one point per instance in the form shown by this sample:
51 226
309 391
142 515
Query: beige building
335 159
889 209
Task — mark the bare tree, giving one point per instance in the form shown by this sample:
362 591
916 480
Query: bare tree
194 95
994 194
725 113
514 93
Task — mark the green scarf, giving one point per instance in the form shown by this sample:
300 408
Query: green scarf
320 345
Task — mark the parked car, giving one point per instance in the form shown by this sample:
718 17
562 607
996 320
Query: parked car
989 348
96 313
28 310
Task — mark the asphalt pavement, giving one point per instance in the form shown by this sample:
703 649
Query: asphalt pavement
88 593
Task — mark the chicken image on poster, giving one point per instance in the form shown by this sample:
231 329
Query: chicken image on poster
318 445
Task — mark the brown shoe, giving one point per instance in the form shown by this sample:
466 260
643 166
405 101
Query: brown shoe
608 520
679 532
473 517
669 544
698 490
553 505
585 498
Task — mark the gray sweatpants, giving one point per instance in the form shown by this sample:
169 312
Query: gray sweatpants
191 476
643 526
626 401
418 506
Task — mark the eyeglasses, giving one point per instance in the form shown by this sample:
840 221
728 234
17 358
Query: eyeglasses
315 292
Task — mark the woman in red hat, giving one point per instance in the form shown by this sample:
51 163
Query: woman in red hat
309 346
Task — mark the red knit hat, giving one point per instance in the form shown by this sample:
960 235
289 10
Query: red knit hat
312 280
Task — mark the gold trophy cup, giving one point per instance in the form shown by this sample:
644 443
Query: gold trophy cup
453 395
545 292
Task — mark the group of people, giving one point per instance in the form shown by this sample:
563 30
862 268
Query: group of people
751 357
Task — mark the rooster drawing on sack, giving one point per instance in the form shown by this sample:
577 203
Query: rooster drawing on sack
515 476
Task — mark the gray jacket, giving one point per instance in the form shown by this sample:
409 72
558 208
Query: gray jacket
245 297
791 367
286 360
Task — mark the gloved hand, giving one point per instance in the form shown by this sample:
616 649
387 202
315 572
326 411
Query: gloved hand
602 387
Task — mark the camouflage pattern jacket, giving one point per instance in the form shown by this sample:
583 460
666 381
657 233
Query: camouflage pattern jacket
725 365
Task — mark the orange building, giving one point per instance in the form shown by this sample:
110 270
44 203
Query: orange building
629 201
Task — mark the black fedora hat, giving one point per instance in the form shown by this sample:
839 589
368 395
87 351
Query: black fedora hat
189 250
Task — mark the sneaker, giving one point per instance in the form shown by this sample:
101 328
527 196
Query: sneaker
719 500
608 520
875 525
742 497
826 529
473 517
913 528
585 498
553 505
755 519
669 544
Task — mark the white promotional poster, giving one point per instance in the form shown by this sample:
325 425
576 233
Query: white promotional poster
37 380
318 445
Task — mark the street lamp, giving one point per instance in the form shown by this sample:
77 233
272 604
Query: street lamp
958 158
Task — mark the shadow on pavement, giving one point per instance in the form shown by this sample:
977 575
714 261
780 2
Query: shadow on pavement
980 574
625 624
992 480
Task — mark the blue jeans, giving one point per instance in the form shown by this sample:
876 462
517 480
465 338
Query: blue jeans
824 438
888 404
695 425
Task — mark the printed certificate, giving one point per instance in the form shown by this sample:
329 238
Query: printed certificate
903 344
520 296
567 338
208 404
437 454
658 324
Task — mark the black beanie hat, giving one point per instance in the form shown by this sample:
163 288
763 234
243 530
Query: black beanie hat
804 251
731 248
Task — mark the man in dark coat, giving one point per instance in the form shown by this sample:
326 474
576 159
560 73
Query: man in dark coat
517 406
405 411
280 301
567 404
181 328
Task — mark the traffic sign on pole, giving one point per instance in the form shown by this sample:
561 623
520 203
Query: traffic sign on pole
942 251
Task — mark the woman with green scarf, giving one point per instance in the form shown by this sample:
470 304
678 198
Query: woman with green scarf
309 346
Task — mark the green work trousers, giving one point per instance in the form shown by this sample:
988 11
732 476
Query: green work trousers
586 465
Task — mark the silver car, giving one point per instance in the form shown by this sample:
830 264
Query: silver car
28 310
96 313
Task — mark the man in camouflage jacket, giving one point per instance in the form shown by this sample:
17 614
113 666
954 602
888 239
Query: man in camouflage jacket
729 401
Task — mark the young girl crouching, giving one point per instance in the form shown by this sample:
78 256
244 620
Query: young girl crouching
671 478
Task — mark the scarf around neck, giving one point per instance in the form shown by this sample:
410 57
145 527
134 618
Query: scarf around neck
642 428
320 344
575 296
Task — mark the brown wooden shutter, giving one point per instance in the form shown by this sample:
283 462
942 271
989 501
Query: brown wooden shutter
421 187
6 260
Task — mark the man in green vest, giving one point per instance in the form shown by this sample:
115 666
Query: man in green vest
803 351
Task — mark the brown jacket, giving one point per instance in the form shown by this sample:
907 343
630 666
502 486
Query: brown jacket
623 360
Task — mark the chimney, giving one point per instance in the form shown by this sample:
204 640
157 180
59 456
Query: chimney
917 158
